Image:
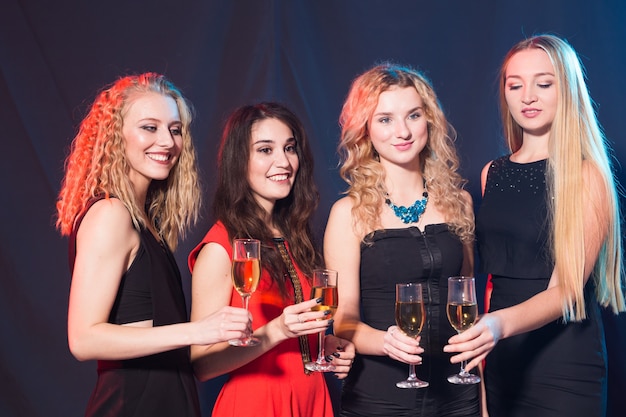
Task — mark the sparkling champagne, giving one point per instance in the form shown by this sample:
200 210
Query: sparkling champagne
246 275
462 315
329 299
410 317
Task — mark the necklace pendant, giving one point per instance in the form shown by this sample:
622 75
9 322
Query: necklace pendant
409 214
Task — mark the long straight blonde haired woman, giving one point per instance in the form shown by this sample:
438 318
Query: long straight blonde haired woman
548 233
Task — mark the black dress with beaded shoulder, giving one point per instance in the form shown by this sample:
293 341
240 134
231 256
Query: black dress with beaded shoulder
394 256
160 385
559 369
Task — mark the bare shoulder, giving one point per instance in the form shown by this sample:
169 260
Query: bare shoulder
341 212
212 257
483 176
108 220
111 208
485 170
343 205
340 223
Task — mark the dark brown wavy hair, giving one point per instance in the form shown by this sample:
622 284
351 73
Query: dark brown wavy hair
234 204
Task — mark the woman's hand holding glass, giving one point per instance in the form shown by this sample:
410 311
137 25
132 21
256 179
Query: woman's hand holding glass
225 324
300 319
400 347
303 319
341 353
474 344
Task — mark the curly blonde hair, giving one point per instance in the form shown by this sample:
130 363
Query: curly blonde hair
360 165
97 164
575 136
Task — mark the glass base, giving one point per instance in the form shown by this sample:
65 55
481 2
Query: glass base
464 379
412 383
319 367
249 341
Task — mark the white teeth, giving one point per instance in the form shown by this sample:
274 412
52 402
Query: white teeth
282 177
161 158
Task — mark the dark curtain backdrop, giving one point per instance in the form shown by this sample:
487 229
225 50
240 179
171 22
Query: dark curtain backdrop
55 56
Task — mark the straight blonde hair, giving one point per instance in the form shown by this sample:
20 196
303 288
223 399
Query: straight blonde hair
576 136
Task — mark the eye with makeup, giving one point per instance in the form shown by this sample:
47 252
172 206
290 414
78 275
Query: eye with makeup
415 115
176 131
265 149
291 148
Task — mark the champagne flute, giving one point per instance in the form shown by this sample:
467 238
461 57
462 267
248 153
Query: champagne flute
410 316
246 273
324 287
462 312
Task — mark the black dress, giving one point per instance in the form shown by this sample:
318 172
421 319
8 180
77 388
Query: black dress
559 369
408 255
160 385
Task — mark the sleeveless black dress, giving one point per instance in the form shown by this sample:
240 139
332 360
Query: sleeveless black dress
408 255
160 385
560 369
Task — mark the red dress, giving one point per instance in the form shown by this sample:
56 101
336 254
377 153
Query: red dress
274 384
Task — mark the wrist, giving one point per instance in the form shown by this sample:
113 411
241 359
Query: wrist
272 333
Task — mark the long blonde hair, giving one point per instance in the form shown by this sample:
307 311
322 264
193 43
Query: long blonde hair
575 136
364 173
97 164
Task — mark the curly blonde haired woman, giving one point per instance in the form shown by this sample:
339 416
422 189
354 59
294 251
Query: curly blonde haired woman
130 190
548 232
406 218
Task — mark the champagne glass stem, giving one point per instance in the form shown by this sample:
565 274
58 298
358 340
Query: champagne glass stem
320 349
412 374
463 365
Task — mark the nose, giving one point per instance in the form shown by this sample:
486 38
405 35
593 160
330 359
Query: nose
281 160
165 138
529 96
402 130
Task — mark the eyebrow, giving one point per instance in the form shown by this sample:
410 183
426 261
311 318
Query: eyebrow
386 113
262 141
156 120
539 74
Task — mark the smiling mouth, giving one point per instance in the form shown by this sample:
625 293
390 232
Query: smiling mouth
280 177
158 157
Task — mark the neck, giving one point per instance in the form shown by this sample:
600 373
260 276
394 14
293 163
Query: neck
534 148
405 189
529 153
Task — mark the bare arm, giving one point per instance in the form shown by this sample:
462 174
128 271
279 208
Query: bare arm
211 290
546 306
342 253
103 254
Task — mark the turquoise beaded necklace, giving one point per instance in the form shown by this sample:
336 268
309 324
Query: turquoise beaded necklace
412 213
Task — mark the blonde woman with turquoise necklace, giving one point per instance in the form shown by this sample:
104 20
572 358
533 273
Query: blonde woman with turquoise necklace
405 218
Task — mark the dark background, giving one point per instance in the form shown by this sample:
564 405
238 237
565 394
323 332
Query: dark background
55 56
